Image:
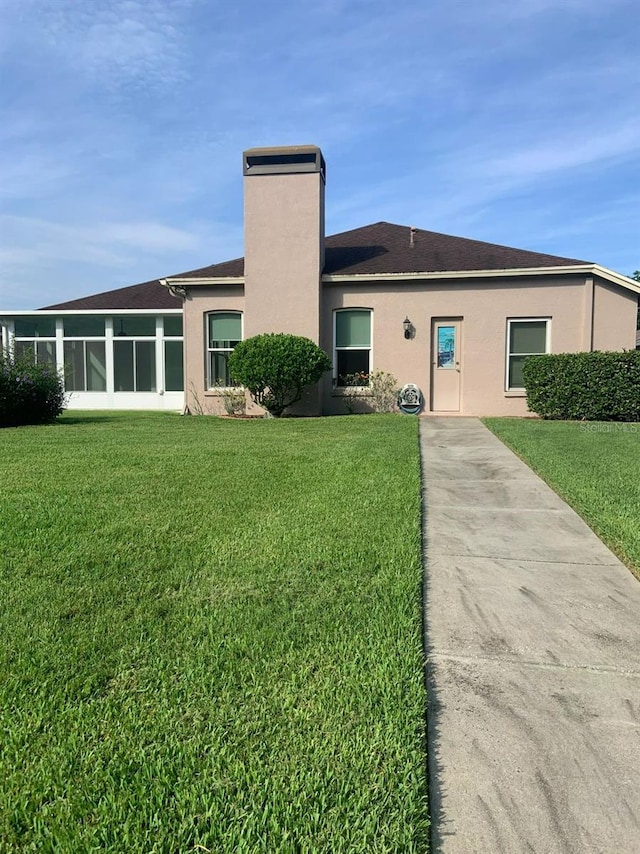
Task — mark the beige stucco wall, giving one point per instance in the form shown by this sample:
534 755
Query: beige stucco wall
284 245
484 308
199 303
615 327
579 309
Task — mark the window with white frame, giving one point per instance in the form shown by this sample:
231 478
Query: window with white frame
352 350
224 331
525 337
35 339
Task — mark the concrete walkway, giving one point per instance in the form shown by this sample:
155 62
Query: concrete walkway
533 644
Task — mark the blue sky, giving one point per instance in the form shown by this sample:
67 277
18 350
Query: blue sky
123 124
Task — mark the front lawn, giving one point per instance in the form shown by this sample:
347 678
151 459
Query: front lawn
594 466
210 635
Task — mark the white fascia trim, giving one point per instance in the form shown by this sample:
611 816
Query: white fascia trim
594 269
616 278
215 280
102 312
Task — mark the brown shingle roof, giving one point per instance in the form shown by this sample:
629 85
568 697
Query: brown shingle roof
145 295
379 248
233 269
385 248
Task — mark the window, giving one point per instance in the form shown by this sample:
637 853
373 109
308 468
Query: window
352 362
225 331
526 337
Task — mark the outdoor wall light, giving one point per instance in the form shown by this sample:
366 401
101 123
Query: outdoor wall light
408 327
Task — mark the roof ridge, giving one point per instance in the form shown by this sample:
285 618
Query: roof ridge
376 249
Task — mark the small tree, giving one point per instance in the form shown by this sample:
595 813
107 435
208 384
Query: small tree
276 368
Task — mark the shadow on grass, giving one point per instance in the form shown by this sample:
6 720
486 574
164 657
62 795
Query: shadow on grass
85 419
112 416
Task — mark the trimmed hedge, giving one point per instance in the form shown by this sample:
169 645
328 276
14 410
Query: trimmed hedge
594 386
277 367
29 393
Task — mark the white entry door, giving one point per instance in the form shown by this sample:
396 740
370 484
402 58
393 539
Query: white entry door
445 365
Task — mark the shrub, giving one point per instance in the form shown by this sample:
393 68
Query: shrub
384 391
29 393
276 368
233 399
594 386
354 388
377 392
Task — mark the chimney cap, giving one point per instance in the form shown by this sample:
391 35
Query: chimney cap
279 160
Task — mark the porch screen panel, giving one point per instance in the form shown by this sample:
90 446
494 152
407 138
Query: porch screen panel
123 366
145 354
141 326
35 327
173 366
96 366
83 327
172 325
46 353
40 352
74 366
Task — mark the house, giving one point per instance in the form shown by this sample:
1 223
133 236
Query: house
456 317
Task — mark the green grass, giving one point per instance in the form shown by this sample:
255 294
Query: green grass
210 636
594 466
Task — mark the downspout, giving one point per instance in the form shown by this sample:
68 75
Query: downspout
589 302
177 291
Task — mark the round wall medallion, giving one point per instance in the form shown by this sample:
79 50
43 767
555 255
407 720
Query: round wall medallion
410 399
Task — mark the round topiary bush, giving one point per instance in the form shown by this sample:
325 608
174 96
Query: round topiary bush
29 393
276 368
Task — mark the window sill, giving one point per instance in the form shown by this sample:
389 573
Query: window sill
220 390
515 392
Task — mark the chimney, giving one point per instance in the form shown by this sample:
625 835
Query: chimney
283 239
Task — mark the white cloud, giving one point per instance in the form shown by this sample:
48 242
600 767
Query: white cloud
36 254
560 151
107 244
124 121
114 43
